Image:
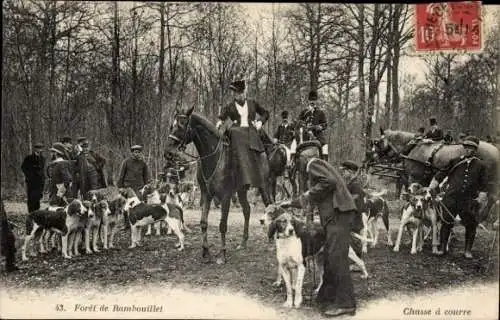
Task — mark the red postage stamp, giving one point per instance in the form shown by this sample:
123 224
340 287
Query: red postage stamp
447 26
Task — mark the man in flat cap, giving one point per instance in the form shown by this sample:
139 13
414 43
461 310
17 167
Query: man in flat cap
435 133
134 171
245 132
350 172
60 175
285 133
465 193
89 168
315 123
33 167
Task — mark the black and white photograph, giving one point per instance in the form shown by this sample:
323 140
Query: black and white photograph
246 160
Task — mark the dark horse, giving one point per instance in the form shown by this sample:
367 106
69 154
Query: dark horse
277 168
214 173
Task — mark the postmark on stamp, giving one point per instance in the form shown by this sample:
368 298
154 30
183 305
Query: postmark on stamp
448 26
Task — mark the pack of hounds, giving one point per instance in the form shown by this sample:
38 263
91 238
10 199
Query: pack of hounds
109 210
104 212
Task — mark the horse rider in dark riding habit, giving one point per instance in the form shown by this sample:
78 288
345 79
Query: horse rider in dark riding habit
315 121
246 136
464 190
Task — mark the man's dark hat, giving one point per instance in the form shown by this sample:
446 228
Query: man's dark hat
66 139
421 129
284 114
238 86
38 145
471 141
432 120
313 95
351 165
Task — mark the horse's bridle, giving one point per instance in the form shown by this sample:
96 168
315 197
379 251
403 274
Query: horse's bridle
182 142
182 145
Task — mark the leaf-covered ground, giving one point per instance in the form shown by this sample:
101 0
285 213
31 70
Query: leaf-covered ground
250 271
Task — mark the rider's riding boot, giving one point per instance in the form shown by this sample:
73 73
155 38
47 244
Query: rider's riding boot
324 157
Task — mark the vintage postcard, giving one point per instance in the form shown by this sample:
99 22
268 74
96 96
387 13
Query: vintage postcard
233 160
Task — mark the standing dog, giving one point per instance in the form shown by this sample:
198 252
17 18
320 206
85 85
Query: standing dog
113 218
418 210
290 259
376 208
141 214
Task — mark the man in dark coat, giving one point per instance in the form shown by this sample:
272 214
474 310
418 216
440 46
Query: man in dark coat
285 134
465 191
8 241
89 168
60 176
34 171
435 133
350 173
134 172
245 133
328 191
315 122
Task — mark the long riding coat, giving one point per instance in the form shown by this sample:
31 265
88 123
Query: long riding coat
134 173
329 192
246 148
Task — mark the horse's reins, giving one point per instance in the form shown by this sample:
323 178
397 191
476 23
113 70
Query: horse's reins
181 148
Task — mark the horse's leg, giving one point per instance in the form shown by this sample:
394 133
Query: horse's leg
205 208
242 196
225 204
272 187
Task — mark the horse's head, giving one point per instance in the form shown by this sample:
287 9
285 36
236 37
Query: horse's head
180 131
390 143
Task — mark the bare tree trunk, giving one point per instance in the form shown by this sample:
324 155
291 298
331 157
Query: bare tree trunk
361 64
387 115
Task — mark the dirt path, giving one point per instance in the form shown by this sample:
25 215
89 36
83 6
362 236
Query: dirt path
480 301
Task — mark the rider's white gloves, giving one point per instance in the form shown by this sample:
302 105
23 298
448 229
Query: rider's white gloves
258 124
218 124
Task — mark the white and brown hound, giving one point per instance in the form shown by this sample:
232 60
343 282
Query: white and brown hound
141 214
417 211
376 209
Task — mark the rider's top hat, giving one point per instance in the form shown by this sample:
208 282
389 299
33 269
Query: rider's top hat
284 114
66 139
238 86
351 165
313 95
432 121
471 141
